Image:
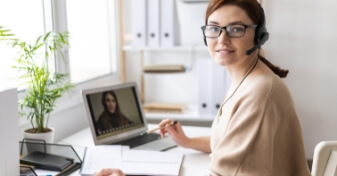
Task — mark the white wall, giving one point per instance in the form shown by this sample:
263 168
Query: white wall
303 39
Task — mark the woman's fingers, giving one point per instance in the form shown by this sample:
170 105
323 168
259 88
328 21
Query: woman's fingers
165 122
162 125
177 134
110 172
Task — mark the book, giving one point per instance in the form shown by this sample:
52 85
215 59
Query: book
47 161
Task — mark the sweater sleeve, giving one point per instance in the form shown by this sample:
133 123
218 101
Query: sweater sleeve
259 133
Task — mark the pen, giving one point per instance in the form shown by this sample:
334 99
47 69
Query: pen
157 128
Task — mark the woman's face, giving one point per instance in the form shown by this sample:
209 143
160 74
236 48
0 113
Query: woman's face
225 50
110 103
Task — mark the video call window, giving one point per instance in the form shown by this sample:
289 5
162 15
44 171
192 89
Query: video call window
115 111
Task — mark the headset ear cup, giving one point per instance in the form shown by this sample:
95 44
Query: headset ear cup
261 30
260 34
264 37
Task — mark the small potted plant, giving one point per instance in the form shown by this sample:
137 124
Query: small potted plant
44 87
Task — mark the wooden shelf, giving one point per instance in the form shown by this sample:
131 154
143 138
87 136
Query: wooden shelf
173 68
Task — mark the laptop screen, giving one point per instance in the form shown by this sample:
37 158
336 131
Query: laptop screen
114 112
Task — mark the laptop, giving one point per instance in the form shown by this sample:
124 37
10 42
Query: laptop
116 116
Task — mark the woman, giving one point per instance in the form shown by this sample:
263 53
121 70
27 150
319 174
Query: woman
256 131
112 116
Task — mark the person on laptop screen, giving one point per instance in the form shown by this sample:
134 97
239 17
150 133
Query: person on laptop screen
112 117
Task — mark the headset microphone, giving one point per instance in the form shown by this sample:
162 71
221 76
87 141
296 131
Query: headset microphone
261 42
250 51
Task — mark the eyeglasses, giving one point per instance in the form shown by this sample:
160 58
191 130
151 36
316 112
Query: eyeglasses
233 31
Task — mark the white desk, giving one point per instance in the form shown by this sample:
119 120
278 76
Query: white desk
194 163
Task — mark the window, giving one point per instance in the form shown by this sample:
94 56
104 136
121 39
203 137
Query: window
92 26
26 20
92 58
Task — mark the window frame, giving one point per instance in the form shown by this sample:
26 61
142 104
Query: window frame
62 66
74 98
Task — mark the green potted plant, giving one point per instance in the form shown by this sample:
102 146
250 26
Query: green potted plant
44 87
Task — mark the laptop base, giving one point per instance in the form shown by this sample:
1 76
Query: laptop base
149 142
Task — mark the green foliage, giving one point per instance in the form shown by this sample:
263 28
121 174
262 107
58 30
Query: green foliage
5 34
44 87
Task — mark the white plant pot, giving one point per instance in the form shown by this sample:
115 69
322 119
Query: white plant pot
48 137
38 145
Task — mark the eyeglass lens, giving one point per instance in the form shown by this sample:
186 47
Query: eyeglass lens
236 30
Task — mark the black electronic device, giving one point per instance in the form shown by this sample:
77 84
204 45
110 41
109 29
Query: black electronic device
261 34
47 161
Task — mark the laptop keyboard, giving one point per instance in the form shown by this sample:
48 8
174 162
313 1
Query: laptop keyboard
139 140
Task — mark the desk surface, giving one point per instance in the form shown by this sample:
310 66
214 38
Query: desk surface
194 163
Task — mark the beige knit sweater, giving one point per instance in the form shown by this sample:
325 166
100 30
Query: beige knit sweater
258 133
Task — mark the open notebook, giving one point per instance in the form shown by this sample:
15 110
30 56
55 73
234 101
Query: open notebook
131 162
115 116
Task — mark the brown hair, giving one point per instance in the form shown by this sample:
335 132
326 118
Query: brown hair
112 93
255 13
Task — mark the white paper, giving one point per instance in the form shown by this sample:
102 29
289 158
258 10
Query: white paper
45 172
151 162
133 162
99 157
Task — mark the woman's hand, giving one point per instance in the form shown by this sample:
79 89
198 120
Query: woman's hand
175 131
110 172
177 134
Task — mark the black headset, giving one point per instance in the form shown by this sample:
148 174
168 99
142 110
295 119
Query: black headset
261 35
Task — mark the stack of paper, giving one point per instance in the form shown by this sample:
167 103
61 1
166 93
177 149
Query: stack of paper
131 162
